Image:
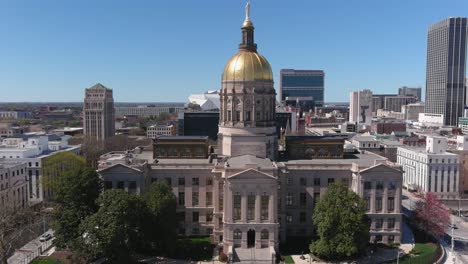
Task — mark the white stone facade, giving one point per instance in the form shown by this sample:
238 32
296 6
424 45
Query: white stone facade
431 169
13 184
160 130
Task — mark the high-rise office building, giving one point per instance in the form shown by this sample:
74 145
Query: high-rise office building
305 87
446 69
98 112
360 107
410 91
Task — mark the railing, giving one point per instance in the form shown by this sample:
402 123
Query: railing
27 256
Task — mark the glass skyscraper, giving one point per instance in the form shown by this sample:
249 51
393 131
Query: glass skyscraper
446 69
305 87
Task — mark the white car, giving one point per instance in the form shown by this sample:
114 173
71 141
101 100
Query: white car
45 237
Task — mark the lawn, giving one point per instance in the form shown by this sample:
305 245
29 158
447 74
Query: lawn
288 260
421 253
46 261
194 248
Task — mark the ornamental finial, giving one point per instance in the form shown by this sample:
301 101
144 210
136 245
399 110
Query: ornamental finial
247 10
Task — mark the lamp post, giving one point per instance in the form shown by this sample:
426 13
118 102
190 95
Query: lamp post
398 257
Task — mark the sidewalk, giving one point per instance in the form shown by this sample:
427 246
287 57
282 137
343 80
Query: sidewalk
31 250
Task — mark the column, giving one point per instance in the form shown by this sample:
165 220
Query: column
385 199
244 208
215 195
228 206
257 208
271 209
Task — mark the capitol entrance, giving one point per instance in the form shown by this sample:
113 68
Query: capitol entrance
251 238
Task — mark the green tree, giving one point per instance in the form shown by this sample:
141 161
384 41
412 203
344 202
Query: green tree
342 225
162 204
75 193
58 164
117 230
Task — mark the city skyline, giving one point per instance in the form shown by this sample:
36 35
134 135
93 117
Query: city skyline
119 45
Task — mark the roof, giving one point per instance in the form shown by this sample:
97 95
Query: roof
365 159
242 161
98 86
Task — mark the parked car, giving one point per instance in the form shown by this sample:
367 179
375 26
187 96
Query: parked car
45 237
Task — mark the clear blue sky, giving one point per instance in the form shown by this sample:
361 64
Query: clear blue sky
50 50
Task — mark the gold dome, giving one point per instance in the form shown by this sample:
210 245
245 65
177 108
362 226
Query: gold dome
247 66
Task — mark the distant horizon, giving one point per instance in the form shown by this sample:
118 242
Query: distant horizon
166 50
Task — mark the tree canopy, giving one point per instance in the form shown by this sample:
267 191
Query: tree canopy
75 193
431 215
117 230
341 224
162 204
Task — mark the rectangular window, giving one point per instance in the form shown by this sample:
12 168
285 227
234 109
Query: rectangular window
289 199
303 199
251 207
195 216
391 223
237 207
316 181
391 185
209 217
367 185
379 185
303 181
237 116
289 218
194 198
288 180
209 181
229 118
181 181
391 204
367 200
181 198
302 217
195 181
331 180
209 199
120 185
378 223
316 197
264 207
378 204
247 116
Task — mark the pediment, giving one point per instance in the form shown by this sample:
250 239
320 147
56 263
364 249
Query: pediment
120 168
251 174
380 168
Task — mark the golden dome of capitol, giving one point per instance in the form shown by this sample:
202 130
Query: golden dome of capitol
247 64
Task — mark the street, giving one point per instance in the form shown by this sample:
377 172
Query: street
459 233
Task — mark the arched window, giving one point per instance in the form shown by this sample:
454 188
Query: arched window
237 234
265 234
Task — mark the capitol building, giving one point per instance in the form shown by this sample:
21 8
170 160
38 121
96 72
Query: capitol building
240 191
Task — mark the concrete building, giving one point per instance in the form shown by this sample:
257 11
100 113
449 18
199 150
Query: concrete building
239 194
431 169
148 110
446 69
305 87
411 91
7 129
388 126
15 115
98 112
431 120
161 130
13 184
34 151
360 107
394 103
412 111
390 114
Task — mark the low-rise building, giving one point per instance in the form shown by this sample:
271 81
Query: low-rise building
15 115
35 150
412 111
388 126
430 169
365 142
157 130
13 184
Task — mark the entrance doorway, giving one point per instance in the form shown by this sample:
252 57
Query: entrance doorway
251 238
